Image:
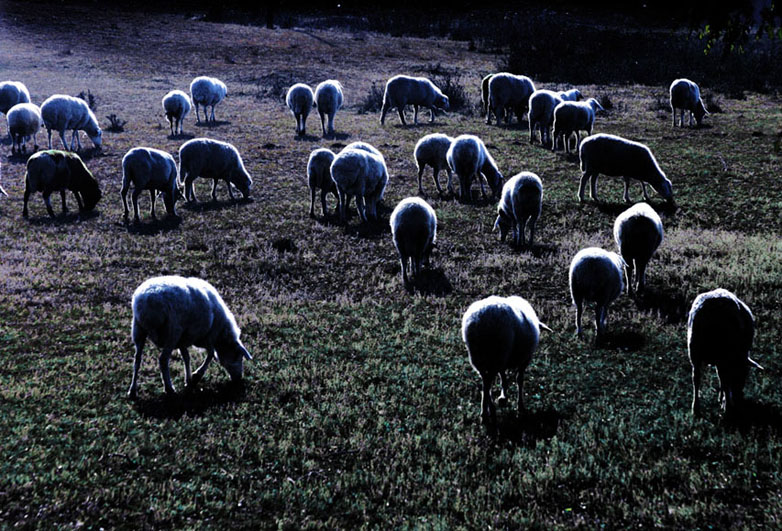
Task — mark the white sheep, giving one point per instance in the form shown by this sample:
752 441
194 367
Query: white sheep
212 159
432 150
541 113
619 157
686 96
415 91
328 100
508 92
572 117
638 232
359 170
319 177
519 206
12 93
50 171
149 169
300 100
595 276
501 334
469 159
176 313
24 121
207 91
177 105
720 329
61 112
414 232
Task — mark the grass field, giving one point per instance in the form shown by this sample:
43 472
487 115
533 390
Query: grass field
360 408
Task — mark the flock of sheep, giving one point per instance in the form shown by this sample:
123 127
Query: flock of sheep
500 334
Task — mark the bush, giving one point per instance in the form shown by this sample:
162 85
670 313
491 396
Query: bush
452 87
117 124
91 100
373 101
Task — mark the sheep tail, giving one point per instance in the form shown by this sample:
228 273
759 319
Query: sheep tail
544 327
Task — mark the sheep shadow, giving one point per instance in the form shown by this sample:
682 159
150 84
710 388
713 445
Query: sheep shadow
215 205
306 138
209 125
626 340
430 281
614 209
153 227
337 145
528 428
541 250
372 230
191 402
59 219
670 305
336 138
21 158
755 416
181 136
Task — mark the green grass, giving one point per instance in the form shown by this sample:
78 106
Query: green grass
360 408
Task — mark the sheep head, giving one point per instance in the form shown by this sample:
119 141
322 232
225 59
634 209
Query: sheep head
231 355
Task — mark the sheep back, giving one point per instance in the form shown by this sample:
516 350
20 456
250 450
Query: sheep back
61 112
24 119
207 90
432 149
685 94
413 227
596 275
55 170
12 93
329 96
150 169
300 99
319 169
638 232
405 90
214 159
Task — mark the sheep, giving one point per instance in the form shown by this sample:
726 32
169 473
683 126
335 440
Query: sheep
300 101
432 150
595 276
638 232
571 95
319 176
207 91
24 121
149 169
212 159
61 112
177 105
541 113
686 96
468 158
508 91
415 91
49 171
12 93
571 117
485 93
501 333
720 329
176 313
414 232
619 157
519 206
359 170
328 100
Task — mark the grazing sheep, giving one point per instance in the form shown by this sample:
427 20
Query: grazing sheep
61 112
501 333
519 206
432 150
719 332
618 157
212 159
319 176
12 93
572 117
638 232
49 171
149 169
300 101
571 95
177 105
415 91
24 121
328 100
485 93
414 231
541 113
595 276
508 92
176 313
359 170
686 96
469 159
207 91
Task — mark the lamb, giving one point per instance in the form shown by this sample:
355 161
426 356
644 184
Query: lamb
519 206
300 101
432 150
686 96
485 93
508 91
212 159
501 333
618 157
149 169
61 112
720 329
176 313
414 231
328 100
359 170
638 232
207 91
415 91
12 93
49 171
541 113
572 117
24 121
177 105
468 158
595 276
319 176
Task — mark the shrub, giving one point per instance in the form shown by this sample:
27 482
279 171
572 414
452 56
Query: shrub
91 100
117 124
373 101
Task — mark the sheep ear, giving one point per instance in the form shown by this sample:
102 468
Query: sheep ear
496 224
753 363
245 353
544 327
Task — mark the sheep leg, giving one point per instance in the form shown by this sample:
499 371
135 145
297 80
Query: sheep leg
198 117
415 114
186 358
134 199
532 127
404 261
169 199
361 207
681 118
139 338
531 231
77 195
696 383
163 360
627 190
331 123
213 113
420 176
303 124
323 193
48 203
189 188
482 178
214 189
487 406
436 177
641 275
312 202
152 199
64 202
450 180
519 234
26 198
401 111
643 188
520 385
579 313
383 112
600 319
629 275
124 194
503 398
323 122
64 142
593 182
582 185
